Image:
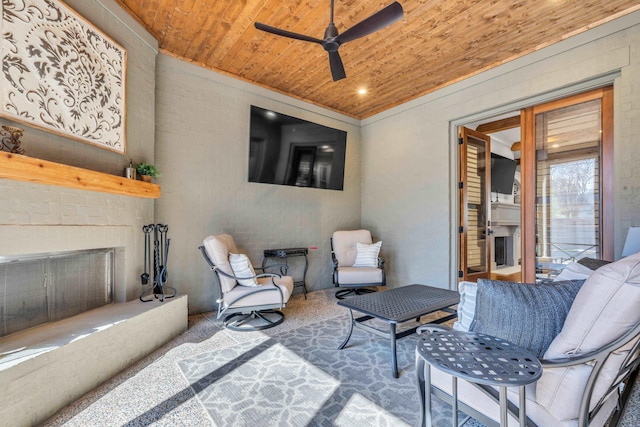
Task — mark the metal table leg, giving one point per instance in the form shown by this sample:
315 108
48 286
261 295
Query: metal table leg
427 394
304 276
351 322
503 407
454 401
523 408
394 358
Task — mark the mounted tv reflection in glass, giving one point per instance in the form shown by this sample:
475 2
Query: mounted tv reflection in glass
286 150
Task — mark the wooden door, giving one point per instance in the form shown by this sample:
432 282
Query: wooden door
475 210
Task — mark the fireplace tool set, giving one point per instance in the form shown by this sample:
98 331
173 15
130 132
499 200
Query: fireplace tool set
159 260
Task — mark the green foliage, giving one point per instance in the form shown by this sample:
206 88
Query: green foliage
147 169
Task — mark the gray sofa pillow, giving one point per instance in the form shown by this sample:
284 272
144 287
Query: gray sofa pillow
527 314
593 263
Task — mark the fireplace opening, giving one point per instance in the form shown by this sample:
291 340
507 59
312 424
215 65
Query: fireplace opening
43 288
500 251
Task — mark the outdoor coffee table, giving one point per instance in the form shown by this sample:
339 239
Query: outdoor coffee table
397 306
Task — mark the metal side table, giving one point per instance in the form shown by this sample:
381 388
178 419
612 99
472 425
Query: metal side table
285 253
477 358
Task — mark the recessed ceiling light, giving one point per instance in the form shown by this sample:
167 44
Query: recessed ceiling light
362 91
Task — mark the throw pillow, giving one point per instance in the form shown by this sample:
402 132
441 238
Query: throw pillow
467 305
367 255
593 263
527 314
574 271
242 267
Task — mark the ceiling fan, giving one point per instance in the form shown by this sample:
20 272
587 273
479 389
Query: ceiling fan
332 39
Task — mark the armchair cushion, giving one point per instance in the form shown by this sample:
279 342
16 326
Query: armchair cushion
527 314
367 255
264 294
605 308
359 275
217 249
242 267
344 247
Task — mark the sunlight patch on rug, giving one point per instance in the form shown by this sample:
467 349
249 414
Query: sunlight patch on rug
300 378
248 384
361 411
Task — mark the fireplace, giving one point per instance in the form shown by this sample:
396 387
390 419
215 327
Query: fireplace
505 225
49 287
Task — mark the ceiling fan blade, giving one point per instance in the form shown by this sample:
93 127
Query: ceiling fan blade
337 69
285 33
375 22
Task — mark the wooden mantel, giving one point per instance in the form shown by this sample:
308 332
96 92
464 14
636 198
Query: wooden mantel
23 168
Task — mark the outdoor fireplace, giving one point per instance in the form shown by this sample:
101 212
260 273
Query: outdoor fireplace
49 287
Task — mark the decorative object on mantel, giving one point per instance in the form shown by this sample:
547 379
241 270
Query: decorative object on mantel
130 172
147 171
11 139
61 73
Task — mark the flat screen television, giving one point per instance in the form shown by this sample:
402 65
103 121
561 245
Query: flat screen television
287 150
503 172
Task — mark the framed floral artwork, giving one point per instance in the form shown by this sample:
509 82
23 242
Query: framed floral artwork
61 74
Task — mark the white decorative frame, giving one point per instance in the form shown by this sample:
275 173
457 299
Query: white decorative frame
61 74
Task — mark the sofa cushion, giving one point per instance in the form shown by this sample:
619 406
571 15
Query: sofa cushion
605 308
526 314
367 255
242 267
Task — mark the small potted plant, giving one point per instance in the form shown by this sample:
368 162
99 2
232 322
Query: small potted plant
147 171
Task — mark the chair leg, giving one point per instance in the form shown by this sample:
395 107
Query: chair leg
344 293
254 321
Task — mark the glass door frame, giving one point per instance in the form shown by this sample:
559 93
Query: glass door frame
479 138
528 175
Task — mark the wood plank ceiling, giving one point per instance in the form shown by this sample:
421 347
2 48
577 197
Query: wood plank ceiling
437 43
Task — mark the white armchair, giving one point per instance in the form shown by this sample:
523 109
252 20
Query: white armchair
247 301
355 261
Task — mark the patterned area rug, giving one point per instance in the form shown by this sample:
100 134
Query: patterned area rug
299 378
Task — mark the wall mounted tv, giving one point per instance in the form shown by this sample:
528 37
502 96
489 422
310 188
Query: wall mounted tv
503 172
286 150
